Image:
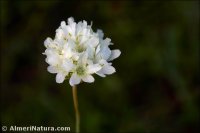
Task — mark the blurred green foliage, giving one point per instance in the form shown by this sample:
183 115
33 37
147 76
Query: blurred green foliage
155 88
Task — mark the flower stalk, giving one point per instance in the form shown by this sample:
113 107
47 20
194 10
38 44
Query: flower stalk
77 115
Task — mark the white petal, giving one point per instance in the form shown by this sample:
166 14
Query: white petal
97 49
70 43
47 42
67 65
71 30
89 62
48 51
83 59
51 69
70 20
114 54
59 34
71 26
105 52
63 24
100 74
52 60
83 38
103 62
60 77
74 80
93 42
90 51
84 24
100 33
67 53
106 42
88 78
97 58
108 69
93 68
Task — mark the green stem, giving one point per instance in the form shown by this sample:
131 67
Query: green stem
75 99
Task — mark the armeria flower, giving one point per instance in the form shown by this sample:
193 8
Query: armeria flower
83 71
77 52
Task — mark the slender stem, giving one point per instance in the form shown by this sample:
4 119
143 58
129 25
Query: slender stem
74 92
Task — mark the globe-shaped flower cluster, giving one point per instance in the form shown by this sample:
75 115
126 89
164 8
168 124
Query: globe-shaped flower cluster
77 52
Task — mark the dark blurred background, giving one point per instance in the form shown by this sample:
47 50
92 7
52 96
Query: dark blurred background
156 86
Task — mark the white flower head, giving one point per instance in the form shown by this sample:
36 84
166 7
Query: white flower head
77 52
